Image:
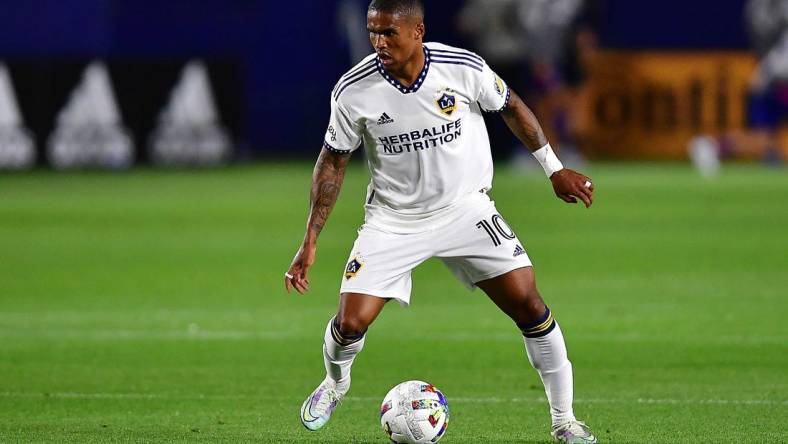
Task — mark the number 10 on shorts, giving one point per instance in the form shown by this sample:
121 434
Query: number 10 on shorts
494 227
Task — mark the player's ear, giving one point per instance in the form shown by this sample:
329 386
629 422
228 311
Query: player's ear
420 31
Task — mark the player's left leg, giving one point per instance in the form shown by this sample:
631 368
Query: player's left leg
516 295
482 251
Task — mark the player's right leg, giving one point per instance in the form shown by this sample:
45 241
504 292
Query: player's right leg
377 270
344 336
343 340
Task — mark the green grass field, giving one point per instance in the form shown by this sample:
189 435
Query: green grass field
149 307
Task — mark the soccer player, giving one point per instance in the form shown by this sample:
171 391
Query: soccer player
417 109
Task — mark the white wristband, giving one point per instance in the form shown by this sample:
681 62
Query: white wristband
548 160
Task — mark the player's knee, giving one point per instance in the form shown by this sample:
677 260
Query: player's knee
530 299
531 307
351 326
534 318
533 302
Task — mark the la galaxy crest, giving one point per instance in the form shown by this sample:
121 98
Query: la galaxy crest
353 267
446 99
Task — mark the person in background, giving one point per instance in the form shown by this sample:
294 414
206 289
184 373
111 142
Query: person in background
532 44
767 21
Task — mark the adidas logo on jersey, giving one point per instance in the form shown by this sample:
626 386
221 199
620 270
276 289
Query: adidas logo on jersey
384 119
518 250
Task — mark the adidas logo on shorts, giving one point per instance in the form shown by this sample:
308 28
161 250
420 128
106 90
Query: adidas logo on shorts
518 250
384 119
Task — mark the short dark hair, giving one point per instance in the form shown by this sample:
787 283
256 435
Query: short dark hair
402 7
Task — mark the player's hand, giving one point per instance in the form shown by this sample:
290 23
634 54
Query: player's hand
296 276
569 186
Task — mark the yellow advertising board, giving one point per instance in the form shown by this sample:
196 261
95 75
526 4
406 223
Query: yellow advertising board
648 105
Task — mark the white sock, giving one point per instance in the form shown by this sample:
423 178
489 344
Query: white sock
548 356
338 355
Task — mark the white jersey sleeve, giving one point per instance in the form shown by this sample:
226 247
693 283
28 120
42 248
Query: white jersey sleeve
493 92
344 135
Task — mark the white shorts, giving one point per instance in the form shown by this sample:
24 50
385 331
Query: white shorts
472 240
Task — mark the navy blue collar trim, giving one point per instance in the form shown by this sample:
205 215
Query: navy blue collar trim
396 83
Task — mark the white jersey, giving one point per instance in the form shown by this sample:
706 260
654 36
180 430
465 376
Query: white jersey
427 144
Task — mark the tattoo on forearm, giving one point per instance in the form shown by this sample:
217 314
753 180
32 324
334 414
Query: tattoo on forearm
523 123
326 183
324 200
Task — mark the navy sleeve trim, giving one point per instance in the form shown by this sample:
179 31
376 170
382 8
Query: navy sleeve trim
505 103
334 150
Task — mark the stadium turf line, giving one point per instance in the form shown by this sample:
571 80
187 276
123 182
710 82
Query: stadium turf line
147 306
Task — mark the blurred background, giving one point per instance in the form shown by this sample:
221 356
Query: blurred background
155 161
113 83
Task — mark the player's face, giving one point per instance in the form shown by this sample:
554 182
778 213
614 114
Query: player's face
394 37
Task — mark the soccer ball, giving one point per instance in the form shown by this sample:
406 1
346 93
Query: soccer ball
414 412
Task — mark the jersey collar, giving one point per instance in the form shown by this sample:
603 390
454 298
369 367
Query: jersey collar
396 83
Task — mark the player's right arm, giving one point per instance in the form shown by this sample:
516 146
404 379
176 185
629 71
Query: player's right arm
343 136
327 178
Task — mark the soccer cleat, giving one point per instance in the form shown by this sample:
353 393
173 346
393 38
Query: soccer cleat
573 432
318 407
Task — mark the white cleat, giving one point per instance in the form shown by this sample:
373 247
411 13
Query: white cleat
573 432
318 407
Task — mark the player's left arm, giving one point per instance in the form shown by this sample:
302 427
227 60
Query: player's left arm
569 185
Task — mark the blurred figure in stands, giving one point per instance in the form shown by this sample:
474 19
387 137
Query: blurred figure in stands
536 47
767 21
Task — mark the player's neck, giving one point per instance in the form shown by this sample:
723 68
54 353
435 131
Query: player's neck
410 71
